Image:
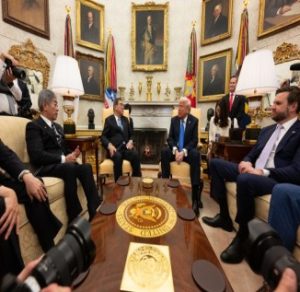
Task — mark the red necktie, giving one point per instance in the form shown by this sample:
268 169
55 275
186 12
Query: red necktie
230 101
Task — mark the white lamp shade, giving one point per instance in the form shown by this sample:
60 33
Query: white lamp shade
257 75
66 79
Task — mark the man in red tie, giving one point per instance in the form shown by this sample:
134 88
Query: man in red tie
235 103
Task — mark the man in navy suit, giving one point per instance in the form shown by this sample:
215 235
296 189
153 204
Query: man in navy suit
117 139
274 159
182 146
235 103
49 156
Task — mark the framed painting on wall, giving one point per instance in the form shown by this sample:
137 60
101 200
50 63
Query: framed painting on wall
213 75
90 24
30 15
216 20
277 15
149 37
92 75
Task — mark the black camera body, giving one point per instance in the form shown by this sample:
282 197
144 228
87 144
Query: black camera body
61 264
17 72
266 255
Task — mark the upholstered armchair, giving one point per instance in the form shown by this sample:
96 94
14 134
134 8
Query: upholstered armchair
106 166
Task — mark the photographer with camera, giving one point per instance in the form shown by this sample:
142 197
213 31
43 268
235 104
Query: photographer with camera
65 265
10 91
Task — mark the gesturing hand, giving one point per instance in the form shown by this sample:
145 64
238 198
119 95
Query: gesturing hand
11 215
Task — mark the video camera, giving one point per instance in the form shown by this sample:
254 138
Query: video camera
17 72
266 255
61 264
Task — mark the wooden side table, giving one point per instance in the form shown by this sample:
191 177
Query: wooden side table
234 152
86 143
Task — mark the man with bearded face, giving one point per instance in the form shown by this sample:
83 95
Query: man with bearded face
274 159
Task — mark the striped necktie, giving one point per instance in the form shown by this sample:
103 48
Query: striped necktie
57 135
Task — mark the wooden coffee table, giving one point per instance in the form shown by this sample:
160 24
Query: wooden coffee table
187 242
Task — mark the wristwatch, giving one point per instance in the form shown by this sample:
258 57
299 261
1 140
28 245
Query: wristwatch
26 171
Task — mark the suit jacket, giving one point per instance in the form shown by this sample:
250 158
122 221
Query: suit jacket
287 156
238 107
218 27
42 146
190 133
112 133
10 162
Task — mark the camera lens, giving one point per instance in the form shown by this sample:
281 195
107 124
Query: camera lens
266 255
72 256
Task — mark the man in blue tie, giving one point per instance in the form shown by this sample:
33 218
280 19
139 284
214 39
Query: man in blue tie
274 159
182 146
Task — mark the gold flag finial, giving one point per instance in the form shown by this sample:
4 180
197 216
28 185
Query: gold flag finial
194 23
245 3
68 9
109 31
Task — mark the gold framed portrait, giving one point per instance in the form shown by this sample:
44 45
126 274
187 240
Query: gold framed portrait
213 75
275 16
92 75
32 16
90 24
216 23
149 37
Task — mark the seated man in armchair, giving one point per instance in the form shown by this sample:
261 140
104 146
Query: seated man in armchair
116 138
182 146
274 159
49 156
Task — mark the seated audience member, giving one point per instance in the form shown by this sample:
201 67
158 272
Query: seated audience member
284 213
18 185
235 103
274 159
49 156
117 139
10 92
127 106
182 146
220 124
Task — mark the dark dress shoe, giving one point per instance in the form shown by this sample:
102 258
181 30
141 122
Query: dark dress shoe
234 253
218 221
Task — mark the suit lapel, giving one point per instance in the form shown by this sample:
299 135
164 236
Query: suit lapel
47 129
292 131
187 126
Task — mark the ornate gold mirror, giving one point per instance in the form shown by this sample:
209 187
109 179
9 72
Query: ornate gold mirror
35 64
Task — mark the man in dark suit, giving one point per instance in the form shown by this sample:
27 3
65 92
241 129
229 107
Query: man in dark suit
49 156
18 185
90 31
218 24
235 104
274 159
182 146
116 138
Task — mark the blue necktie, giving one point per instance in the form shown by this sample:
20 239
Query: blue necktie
181 136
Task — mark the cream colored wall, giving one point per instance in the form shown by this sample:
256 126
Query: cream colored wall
118 19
